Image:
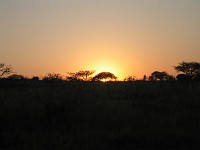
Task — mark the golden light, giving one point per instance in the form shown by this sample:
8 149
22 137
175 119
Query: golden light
104 61
104 80
103 67
106 68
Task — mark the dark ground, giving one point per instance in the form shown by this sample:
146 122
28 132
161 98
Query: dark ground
37 115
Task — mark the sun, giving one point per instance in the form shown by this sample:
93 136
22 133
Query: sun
107 68
111 66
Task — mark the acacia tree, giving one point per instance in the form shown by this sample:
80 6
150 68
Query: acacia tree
161 76
129 78
80 75
104 76
4 69
191 69
52 77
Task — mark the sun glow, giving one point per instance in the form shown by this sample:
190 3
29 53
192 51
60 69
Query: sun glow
107 63
103 80
107 68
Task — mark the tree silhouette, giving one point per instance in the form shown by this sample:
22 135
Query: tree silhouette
182 77
191 69
16 77
129 78
35 78
52 77
161 76
104 76
80 75
4 69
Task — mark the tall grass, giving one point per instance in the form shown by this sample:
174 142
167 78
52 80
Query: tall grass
99 116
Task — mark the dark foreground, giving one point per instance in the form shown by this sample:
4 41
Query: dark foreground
99 116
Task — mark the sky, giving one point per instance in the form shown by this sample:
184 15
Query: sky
125 37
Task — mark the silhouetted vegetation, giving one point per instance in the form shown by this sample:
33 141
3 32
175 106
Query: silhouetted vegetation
161 76
129 78
182 77
4 69
80 75
190 69
35 78
52 113
144 78
16 77
52 77
94 115
104 76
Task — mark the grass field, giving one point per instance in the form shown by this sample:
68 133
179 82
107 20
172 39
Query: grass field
37 115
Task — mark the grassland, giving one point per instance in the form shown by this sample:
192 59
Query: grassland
37 115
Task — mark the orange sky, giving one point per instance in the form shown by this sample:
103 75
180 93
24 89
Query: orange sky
129 37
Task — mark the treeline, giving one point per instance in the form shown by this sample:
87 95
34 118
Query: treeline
189 71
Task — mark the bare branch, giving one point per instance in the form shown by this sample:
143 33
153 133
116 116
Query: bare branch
5 69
